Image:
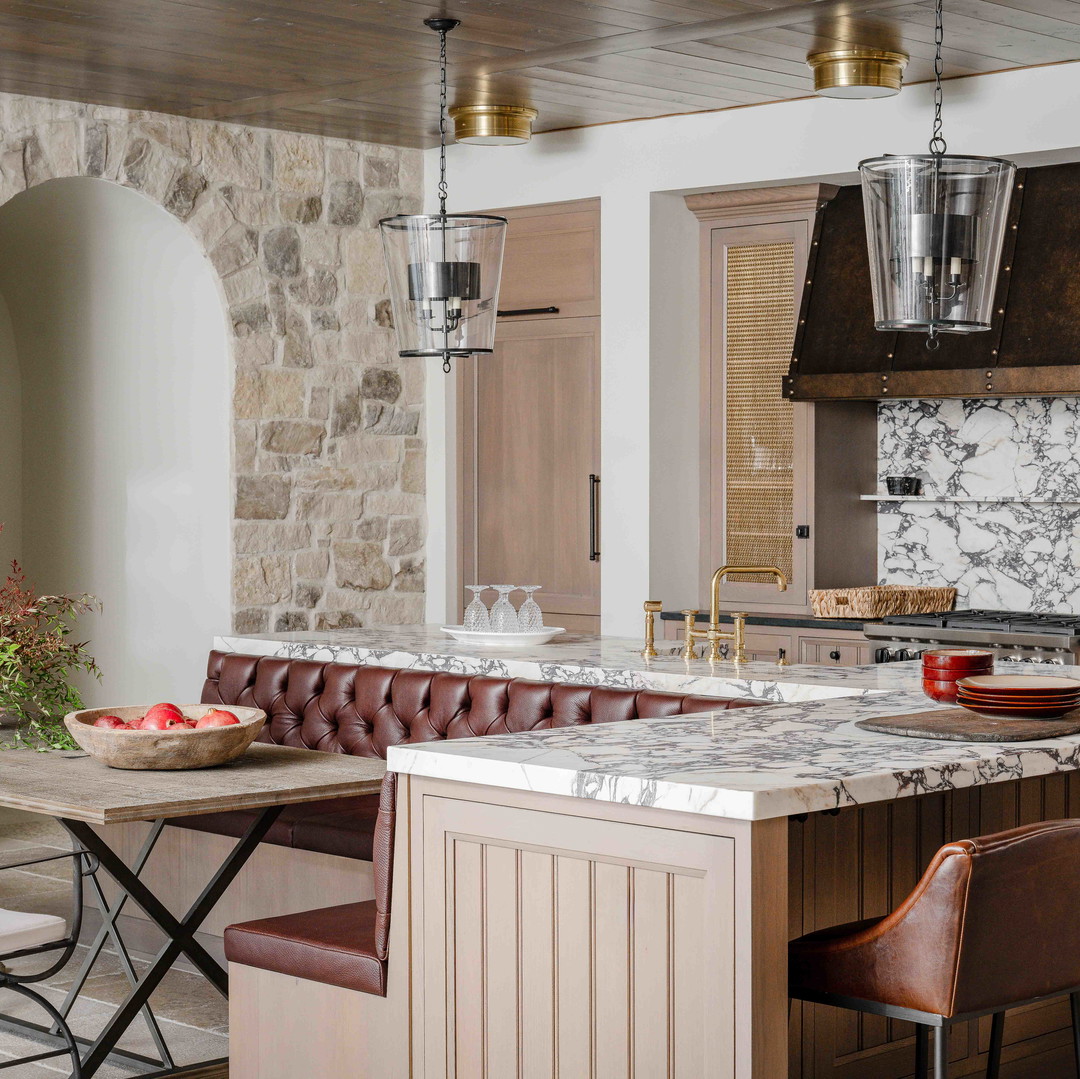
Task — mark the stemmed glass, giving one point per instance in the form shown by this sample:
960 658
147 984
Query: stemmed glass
504 618
530 616
476 614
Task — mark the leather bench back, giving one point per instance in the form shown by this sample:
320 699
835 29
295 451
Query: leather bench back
349 708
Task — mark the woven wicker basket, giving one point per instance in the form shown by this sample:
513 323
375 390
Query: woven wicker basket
879 600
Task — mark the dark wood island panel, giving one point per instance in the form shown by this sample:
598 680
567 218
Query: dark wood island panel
861 862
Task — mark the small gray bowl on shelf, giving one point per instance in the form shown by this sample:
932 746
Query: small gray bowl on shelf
903 485
168 750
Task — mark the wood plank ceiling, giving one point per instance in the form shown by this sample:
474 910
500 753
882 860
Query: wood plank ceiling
366 68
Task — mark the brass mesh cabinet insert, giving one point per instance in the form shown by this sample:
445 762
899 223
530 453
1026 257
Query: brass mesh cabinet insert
759 424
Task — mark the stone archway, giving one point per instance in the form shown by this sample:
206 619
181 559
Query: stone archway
327 459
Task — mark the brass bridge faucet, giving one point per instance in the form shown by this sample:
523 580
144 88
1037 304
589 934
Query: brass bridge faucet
714 635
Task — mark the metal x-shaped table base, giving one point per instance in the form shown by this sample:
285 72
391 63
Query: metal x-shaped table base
180 934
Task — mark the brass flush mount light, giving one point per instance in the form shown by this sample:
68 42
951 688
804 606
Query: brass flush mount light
493 125
855 73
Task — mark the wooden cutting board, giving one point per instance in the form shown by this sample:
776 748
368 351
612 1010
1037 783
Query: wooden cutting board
960 725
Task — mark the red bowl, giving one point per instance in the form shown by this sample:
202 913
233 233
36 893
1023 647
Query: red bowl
958 659
941 691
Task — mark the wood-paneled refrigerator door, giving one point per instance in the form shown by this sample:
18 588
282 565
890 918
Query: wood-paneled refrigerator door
530 451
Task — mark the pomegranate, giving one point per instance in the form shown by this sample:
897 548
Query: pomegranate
217 717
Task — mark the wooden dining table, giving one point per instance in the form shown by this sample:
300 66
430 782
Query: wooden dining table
80 792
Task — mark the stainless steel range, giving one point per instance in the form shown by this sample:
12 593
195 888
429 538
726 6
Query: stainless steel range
1013 635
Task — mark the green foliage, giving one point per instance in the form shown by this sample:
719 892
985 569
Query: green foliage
37 659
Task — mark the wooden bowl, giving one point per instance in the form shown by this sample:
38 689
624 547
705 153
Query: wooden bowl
165 750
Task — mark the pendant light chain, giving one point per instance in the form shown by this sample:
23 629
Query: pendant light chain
442 158
442 123
938 145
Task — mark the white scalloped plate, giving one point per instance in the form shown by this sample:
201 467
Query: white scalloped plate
487 639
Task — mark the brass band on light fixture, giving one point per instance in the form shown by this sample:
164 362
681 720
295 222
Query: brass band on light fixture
855 73
493 125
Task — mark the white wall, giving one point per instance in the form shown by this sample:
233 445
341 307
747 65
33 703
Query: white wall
1033 112
126 381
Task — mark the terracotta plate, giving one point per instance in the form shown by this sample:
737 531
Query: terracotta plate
1003 711
1019 702
1020 683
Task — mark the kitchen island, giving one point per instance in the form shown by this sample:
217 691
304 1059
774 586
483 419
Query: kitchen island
617 899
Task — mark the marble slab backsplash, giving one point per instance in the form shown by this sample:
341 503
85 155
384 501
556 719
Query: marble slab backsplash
999 554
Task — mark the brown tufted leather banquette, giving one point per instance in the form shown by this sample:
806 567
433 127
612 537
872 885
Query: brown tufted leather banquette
349 708
347 945
353 709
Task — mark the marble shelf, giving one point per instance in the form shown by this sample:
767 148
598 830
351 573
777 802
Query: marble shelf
955 498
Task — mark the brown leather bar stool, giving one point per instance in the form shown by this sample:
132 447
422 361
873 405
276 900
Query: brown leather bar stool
990 926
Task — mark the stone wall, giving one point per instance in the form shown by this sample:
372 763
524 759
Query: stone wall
328 461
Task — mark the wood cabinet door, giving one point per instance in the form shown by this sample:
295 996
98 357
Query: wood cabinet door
530 441
552 260
756 441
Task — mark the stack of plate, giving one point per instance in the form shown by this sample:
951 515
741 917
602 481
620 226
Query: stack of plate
1018 696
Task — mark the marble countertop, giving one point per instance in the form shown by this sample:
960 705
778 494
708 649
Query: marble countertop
801 754
747 764
582 658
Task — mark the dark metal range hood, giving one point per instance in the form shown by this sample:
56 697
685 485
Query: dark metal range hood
1032 348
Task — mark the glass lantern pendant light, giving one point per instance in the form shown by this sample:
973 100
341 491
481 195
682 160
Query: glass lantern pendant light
444 268
935 224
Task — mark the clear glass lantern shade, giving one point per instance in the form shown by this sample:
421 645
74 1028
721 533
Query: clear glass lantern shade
444 281
935 225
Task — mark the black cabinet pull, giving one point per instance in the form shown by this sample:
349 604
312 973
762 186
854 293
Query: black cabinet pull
594 493
528 311
835 655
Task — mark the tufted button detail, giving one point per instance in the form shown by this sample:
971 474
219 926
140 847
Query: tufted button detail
362 711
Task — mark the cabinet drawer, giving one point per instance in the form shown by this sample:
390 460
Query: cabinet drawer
833 651
766 647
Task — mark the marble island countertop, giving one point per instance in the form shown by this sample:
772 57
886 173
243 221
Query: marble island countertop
801 754
587 659
746 764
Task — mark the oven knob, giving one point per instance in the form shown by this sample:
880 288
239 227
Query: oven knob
902 656
881 655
